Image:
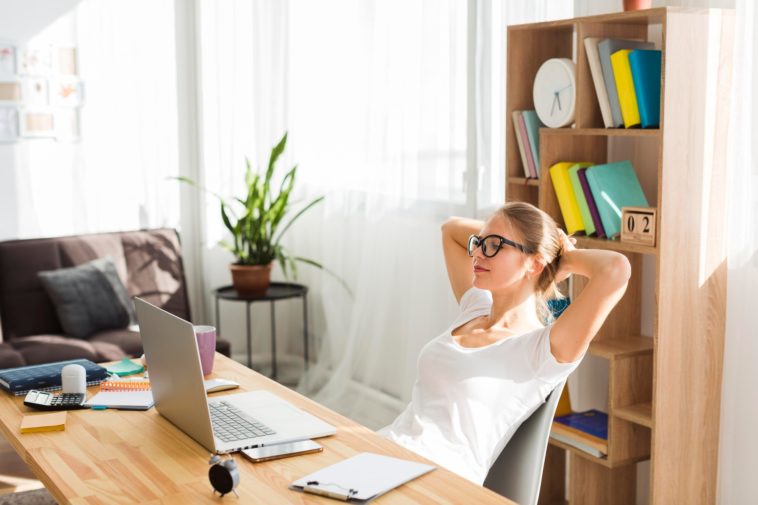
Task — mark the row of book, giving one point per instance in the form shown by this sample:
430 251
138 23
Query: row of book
587 431
627 77
527 125
591 196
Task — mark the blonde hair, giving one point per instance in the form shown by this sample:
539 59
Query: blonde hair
540 237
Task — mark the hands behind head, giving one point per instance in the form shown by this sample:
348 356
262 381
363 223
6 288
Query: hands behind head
567 245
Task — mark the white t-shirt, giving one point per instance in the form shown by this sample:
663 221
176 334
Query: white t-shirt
468 402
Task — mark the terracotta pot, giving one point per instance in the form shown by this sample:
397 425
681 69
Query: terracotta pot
635 5
251 280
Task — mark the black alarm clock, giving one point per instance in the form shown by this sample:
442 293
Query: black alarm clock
224 475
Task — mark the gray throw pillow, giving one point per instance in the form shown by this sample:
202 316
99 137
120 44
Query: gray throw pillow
88 298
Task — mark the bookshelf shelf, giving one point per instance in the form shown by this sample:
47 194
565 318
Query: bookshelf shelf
659 398
523 181
641 413
603 132
614 245
615 348
573 450
605 462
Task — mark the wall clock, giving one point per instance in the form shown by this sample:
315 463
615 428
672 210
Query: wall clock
554 92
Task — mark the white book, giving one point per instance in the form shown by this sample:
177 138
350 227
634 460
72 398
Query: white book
577 443
593 57
126 400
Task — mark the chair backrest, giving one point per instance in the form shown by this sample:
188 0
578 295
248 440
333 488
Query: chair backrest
517 472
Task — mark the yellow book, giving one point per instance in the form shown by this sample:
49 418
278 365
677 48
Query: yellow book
622 72
564 191
39 423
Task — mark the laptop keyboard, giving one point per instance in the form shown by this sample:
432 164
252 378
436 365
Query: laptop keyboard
230 423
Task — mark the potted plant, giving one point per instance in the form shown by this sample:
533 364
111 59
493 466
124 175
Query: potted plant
257 225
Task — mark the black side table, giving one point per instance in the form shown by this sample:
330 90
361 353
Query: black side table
276 291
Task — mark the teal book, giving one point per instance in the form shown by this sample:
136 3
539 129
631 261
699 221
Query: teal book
533 125
605 49
576 185
646 75
614 186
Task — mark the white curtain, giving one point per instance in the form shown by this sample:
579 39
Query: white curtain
115 177
738 455
375 97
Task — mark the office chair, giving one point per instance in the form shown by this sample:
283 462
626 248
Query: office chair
517 472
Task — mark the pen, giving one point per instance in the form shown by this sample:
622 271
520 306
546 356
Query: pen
99 407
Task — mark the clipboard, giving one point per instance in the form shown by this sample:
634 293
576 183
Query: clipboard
361 478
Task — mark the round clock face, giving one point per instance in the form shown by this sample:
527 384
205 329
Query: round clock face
554 92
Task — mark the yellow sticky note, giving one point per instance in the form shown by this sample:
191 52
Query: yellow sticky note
38 423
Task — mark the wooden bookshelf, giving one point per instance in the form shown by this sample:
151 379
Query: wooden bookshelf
664 389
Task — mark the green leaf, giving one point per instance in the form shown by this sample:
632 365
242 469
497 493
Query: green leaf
287 226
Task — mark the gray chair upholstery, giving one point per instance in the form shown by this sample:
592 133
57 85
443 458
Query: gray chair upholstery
517 472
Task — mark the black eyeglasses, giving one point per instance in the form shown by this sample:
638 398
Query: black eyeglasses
491 245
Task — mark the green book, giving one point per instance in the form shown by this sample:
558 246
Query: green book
573 171
614 186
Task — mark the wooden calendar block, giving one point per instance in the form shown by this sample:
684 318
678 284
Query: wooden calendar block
638 225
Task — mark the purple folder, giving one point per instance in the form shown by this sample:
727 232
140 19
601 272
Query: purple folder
591 203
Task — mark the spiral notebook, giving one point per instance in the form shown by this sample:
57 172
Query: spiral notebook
362 478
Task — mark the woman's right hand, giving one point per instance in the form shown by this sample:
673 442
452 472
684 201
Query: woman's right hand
568 244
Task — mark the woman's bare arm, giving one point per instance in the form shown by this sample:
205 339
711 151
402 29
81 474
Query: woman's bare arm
455 234
608 273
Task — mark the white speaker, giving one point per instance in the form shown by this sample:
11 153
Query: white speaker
74 379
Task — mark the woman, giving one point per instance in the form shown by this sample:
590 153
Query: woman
497 362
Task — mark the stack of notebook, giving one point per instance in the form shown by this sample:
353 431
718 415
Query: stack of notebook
587 431
591 196
627 78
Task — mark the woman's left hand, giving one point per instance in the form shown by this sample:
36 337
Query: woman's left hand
564 267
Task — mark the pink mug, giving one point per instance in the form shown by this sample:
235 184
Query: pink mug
206 346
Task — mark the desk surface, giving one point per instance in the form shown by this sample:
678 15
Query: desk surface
119 456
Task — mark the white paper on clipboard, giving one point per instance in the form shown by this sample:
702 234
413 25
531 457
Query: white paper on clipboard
363 477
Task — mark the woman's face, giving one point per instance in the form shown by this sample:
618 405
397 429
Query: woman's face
510 267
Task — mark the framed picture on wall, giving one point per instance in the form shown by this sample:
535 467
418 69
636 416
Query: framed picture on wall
36 61
10 91
7 61
66 92
8 123
37 124
35 91
64 61
67 125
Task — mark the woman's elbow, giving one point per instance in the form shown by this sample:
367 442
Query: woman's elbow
619 269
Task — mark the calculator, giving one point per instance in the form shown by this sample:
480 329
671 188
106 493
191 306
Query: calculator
43 400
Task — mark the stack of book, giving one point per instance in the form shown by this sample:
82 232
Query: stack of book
591 196
587 431
627 78
527 125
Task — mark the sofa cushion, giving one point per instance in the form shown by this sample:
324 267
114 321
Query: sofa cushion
124 338
156 271
38 349
26 308
88 298
9 357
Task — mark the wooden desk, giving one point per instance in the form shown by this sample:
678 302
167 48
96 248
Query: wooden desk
119 456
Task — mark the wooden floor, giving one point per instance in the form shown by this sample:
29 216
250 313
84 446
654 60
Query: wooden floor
15 476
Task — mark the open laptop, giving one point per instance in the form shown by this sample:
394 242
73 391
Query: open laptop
224 424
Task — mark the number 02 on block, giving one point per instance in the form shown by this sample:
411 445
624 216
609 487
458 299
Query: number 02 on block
638 225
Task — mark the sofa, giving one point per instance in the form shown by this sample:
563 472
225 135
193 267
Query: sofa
148 262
